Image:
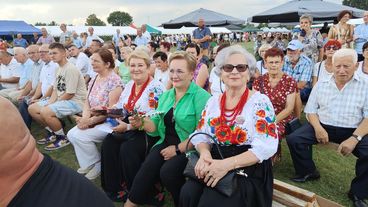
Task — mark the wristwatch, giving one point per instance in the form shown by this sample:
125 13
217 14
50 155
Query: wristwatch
359 138
177 150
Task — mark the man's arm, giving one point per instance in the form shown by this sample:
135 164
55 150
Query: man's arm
9 80
67 96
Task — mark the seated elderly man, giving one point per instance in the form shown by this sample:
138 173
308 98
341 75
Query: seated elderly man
25 70
337 111
9 69
28 178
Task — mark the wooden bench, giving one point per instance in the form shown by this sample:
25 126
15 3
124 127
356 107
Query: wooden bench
291 196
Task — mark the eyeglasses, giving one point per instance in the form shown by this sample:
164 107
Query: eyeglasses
332 47
240 68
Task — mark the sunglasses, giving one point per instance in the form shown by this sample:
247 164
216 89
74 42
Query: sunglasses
332 47
240 68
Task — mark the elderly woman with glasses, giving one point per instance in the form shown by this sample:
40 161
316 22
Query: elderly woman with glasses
323 69
181 106
242 123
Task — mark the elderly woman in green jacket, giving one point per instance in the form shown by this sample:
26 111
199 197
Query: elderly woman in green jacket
181 109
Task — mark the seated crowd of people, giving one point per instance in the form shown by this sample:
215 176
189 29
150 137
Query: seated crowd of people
144 109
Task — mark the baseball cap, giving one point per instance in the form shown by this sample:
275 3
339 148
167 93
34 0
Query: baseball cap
295 45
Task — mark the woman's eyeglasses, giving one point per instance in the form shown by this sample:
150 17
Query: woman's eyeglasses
332 47
240 67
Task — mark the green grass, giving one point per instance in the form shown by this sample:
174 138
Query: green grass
336 171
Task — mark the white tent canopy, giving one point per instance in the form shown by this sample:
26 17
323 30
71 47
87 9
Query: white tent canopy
55 31
278 29
189 30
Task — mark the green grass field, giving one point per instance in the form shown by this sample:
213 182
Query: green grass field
336 171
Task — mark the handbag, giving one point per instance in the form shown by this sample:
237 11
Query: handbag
227 185
292 125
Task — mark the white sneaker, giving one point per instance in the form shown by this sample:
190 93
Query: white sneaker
85 170
94 172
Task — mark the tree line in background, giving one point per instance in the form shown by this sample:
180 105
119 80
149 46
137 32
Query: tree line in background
116 18
360 4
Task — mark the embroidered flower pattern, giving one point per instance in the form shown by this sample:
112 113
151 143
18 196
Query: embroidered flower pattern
201 121
266 125
226 134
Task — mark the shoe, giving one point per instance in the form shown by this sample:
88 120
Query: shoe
84 170
61 141
50 137
356 201
308 177
94 172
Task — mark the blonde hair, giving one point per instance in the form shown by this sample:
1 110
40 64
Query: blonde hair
263 47
189 58
140 54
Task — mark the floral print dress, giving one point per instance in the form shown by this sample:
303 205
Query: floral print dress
278 95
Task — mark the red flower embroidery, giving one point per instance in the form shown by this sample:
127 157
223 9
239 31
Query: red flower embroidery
261 126
223 133
151 95
201 121
239 135
152 103
271 128
261 113
215 122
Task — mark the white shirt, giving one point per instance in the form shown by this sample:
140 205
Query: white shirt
217 86
9 71
256 111
340 108
83 63
142 105
162 77
361 73
261 68
47 76
147 35
323 73
92 37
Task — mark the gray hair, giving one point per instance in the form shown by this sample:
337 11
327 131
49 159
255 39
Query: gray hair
307 16
225 53
20 50
345 52
264 46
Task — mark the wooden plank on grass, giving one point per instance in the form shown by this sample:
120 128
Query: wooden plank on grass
288 200
294 191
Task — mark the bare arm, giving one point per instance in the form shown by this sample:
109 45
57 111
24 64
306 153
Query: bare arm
67 96
289 108
9 80
202 76
302 84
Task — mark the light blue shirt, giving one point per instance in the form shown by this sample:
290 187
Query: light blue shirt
25 70
302 71
361 32
140 41
77 42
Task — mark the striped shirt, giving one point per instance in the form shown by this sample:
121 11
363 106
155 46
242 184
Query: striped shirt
340 108
302 71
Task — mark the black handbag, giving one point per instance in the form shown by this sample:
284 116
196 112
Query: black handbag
227 185
293 125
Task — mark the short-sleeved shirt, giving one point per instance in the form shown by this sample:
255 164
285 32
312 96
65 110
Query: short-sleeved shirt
255 126
261 67
25 71
20 42
361 32
99 93
340 108
36 71
302 71
47 76
147 102
10 70
140 40
65 37
199 33
45 40
70 80
163 77
312 43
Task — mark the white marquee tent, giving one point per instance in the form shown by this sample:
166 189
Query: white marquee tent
98 30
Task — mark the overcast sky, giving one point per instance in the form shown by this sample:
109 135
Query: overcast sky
152 12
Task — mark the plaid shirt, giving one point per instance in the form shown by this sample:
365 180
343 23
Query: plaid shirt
346 108
302 71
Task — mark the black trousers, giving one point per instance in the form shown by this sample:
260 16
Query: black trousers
300 144
154 169
112 152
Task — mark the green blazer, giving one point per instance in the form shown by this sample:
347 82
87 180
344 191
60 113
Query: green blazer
187 112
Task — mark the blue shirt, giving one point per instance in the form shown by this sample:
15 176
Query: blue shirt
361 32
77 42
25 72
20 43
302 71
199 33
140 41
